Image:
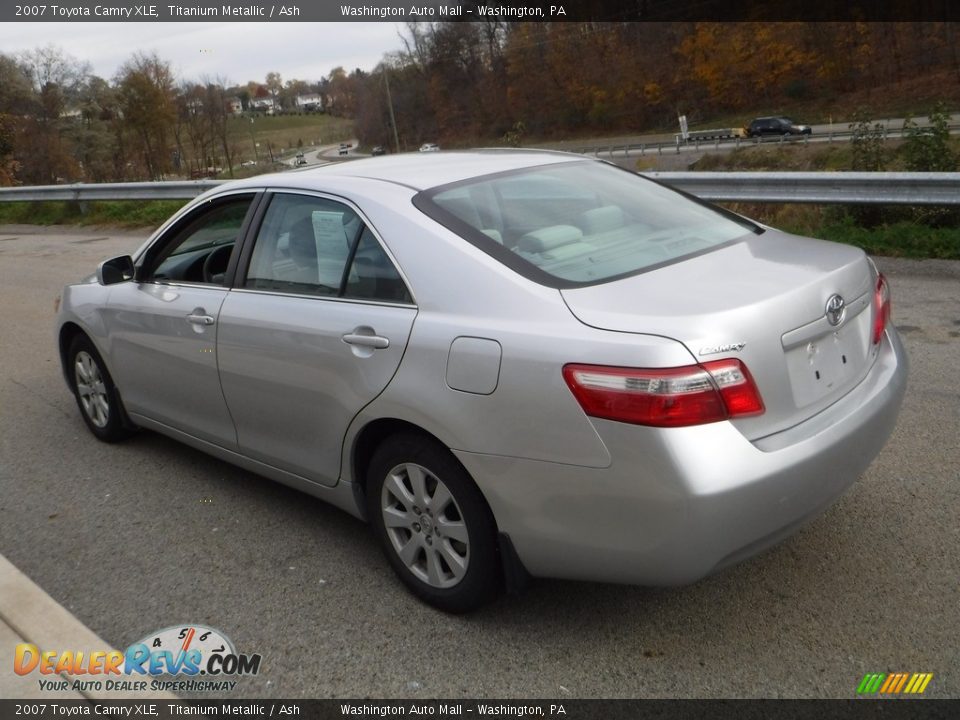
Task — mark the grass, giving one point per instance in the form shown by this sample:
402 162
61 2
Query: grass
116 214
283 133
896 232
898 239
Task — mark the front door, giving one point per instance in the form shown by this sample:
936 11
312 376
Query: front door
162 327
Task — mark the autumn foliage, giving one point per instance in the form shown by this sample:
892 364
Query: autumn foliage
465 83
471 84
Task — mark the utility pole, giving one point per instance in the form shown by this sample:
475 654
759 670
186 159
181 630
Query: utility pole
393 120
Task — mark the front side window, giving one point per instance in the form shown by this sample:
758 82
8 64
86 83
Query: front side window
198 250
579 223
314 246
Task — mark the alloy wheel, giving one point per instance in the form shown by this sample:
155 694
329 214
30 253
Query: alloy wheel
91 389
424 525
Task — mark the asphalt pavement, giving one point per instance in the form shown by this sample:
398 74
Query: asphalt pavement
139 536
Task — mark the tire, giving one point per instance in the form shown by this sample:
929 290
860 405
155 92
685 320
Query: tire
96 395
441 537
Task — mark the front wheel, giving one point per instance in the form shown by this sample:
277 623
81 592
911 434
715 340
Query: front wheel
433 524
96 394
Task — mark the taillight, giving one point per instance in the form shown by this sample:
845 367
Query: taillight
665 397
881 308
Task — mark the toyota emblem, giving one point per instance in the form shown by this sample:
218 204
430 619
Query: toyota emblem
836 307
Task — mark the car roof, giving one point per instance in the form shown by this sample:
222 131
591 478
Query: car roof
415 170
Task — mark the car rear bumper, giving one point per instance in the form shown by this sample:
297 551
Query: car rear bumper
677 504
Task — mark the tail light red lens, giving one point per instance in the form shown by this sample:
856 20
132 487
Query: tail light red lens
665 397
881 308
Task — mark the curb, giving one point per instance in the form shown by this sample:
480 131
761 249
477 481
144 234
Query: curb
37 618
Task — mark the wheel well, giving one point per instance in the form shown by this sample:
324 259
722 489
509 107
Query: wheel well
67 333
371 436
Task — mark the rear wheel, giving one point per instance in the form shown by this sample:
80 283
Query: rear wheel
433 524
96 394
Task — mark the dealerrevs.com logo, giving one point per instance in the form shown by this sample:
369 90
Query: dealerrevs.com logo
204 656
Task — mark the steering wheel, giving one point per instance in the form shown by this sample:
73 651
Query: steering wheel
211 266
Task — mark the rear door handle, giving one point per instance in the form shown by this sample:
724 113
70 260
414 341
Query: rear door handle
376 342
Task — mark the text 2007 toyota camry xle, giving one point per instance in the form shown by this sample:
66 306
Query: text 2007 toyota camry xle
510 363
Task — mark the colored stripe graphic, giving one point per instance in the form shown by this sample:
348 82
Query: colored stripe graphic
891 680
894 683
870 683
918 683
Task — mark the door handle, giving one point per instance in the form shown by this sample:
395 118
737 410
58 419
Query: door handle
376 342
198 319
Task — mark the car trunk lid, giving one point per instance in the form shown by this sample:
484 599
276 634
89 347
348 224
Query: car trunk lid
764 301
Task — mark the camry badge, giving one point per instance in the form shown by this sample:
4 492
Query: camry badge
836 308
715 349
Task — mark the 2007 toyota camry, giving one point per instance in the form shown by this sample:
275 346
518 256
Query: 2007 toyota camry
511 363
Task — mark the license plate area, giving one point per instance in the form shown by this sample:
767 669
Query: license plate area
830 362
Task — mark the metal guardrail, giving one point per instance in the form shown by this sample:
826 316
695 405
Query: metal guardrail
83 192
834 188
827 188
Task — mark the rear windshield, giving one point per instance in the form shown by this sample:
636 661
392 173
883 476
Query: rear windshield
580 223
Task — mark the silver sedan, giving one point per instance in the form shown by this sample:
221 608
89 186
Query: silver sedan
512 364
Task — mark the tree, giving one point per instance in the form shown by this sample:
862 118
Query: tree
14 97
146 92
94 135
866 144
217 111
274 84
341 91
927 149
55 80
15 90
8 165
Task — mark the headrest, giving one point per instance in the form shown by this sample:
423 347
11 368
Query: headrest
601 219
549 238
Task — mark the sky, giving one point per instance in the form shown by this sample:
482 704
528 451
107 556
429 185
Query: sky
237 52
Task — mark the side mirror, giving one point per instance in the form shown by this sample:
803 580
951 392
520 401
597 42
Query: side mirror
115 270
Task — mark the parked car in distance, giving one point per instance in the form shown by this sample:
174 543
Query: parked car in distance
429 147
300 160
776 126
378 150
510 363
344 149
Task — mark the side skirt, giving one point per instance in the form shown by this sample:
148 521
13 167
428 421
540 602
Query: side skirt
340 495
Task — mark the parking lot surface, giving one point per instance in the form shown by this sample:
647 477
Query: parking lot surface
140 536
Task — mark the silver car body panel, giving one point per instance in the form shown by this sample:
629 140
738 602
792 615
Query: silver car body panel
292 384
166 365
676 506
580 498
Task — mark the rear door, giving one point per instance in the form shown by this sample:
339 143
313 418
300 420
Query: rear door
314 330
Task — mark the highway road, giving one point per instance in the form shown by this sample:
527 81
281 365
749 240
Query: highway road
666 144
143 535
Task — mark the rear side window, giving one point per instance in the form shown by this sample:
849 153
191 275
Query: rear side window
579 223
314 246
